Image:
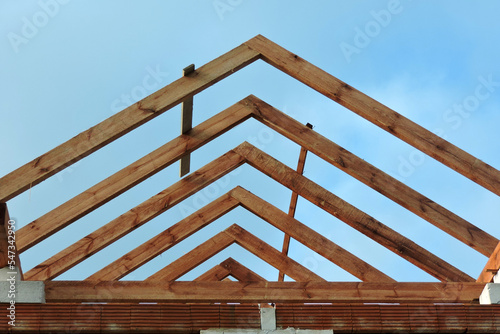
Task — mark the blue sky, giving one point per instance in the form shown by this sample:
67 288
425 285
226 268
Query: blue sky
67 65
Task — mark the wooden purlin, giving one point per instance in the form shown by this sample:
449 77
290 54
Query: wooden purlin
260 292
233 234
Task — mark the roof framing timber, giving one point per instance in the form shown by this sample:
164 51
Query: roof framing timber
287 126
260 292
230 267
238 235
103 286
169 96
317 195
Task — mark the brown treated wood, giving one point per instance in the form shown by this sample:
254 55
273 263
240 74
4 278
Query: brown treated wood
309 237
377 113
240 272
9 256
129 176
217 273
293 204
134 218
248 241
186 123
192 259
373 177
271 255
260 292
351 215
123 122
165 240
491 267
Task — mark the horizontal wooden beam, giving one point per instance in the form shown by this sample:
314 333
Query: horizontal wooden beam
310 238
373 177
129 176
491 267
132 219
123 122
377 113
351 215
260 292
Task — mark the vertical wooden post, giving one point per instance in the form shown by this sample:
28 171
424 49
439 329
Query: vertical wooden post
186 123
9 256
293 203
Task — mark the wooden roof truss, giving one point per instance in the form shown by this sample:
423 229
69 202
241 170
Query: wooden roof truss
375 286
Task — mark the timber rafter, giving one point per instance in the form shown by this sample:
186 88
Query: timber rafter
375 286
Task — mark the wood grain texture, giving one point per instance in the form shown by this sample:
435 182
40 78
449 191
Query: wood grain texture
260 292
377 113
193 258
234 234
134 218
351 215
165 240
373 177
130 176
240 272
293 206
271 255
309 237
215 274
123 122
492 265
